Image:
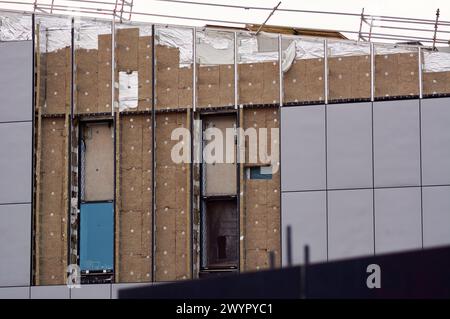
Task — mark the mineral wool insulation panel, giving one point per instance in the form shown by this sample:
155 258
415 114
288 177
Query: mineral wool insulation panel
134 231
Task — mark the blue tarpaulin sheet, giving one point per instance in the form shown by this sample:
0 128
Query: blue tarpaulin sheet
97 236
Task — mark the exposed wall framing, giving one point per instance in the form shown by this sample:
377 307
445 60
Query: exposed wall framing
157 202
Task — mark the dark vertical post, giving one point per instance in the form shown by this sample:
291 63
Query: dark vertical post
303 273
289 245
271 260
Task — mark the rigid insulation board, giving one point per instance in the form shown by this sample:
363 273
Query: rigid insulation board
172 204
93 71
349 77
51 222
135 200
86 80
436 83
262 201
98 163
104 70
174 84
167 63
220 178
396 74
304 81
259 83
56 70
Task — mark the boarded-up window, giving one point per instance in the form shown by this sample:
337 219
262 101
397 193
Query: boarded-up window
97 162
96 237
220 175
220 234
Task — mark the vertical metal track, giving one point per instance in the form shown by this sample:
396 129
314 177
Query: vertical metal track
33 134
325 75
192 165
153 208
420 74
192 129
72 211
372 72
280 59
113 63
280 69
236 95
116 125
240 192
117 159
194 71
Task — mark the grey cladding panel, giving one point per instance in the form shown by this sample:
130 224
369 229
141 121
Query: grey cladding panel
436 141
396 143
436 216
349 145
91 292
14 293
15 162
350 223
305 212
15 245
397 219
117 287
16 81
303 148
50 292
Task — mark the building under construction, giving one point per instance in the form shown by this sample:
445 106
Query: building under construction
89 190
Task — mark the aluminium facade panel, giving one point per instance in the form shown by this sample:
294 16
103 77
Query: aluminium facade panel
436 216
350 223
303 148
396 143
16 81
15 245
306 213
397 219
349 145
50 292
101 291
436 141
15 162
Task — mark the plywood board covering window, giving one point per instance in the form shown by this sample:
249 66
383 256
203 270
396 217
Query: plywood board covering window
219 177
98 162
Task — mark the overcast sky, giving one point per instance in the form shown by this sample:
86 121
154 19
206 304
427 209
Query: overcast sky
413 8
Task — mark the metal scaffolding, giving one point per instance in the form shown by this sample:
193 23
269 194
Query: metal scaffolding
395 29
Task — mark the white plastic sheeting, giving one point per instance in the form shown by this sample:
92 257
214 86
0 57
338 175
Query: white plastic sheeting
180 38
15 28
128 90
213 47
87 32
436 61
